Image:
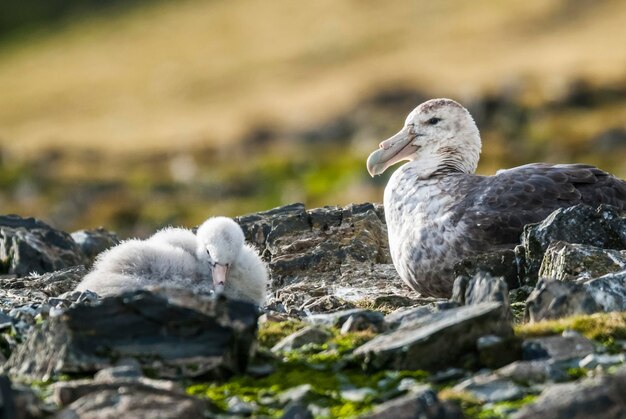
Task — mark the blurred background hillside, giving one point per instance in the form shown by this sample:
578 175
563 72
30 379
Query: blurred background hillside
134 114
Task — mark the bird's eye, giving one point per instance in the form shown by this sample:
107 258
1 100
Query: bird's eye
433 121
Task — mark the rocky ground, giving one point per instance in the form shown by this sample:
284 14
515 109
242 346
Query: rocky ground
535 331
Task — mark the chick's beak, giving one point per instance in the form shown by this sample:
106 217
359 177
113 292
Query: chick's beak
219 272
397 148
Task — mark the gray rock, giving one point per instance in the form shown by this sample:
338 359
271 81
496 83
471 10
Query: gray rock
67 392
422 403
50 284
302 337
338 318
296 411
604 360
600 398
558 348
495 351
438 340
608 291
94 242
603 227
324 304
503 264
407 315
341 252
479 289
298 394
555 299
567 261
133 402
490 388
31 246
173 333
536 371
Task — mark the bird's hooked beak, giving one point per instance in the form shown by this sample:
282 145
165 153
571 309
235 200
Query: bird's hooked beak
219 272
397 148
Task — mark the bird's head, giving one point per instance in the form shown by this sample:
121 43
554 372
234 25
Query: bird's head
220 240
439 135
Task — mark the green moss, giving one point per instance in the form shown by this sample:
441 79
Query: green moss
576 373
327 368
472 408
603 327
270 333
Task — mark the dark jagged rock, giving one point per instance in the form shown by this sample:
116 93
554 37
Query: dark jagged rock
479 289
603 227
609 291
556 299
51 284
600 398
566 261
437 340
421 403
313 249
94 242
172 332
31 246
502 263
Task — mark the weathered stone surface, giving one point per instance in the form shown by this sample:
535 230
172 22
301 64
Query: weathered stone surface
173 332
403 316
130 401
536 371
296 411
436 341
592 361
609 291
368 319
421 403
566 261
94 242
554 299
503 264
603 227
335 251
600 398
495 351
302 337
51 284
480 288
490 388
31 246
559 348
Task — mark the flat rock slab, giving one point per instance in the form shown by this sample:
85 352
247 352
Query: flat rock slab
558 348
132 402
172 333
436 344
420 403
28 245
594 398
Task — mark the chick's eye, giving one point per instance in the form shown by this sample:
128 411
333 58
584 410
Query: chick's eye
433 121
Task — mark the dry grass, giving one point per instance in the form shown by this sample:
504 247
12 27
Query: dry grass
181 74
